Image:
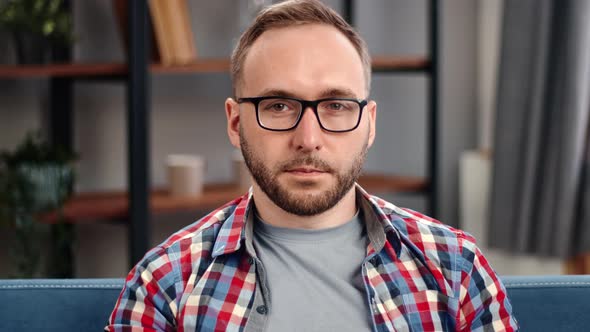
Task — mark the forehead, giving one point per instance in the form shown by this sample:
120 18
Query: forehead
303 60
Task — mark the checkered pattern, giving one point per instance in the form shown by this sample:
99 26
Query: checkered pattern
425 277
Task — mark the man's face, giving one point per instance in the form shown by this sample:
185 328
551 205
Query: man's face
307 170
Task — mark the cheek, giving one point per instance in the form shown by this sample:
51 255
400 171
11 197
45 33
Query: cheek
265 147
272 148
348 149
248 121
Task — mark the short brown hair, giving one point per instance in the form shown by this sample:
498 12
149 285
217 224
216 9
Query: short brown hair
291 13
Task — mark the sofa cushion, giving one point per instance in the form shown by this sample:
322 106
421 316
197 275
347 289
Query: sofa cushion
57 305
550 303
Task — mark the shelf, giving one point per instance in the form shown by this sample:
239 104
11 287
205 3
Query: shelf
88 207
375 183
205 65
211 65
379 63
98 70
113 206
399 63
63 70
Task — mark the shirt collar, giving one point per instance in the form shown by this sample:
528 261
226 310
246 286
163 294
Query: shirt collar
377 213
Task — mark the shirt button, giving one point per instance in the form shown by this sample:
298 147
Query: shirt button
251 260
262 309
373 261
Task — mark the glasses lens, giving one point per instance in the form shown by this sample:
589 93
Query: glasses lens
278 113
339 115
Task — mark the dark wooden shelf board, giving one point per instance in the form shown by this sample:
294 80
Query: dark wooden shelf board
88 70
377 183
63 70
400 63
113 206
204 65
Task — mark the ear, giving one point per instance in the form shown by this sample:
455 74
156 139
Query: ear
372 112
232 112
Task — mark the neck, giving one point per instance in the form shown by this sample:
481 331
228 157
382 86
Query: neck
337 215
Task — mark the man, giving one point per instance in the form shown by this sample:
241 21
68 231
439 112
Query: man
307 249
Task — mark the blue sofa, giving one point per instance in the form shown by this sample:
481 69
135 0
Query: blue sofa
541 303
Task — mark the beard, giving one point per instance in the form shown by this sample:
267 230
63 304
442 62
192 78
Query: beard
302 204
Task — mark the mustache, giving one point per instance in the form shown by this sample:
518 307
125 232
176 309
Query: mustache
309 161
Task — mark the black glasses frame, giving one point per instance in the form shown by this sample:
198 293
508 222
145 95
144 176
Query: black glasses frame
305 104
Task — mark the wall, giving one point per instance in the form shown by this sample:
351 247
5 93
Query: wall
187 108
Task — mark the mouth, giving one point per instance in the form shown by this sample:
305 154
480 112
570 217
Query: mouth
307 168
305 171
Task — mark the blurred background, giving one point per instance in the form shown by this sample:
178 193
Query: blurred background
461 86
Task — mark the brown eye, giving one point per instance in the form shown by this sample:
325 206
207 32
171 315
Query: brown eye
279 107
335 106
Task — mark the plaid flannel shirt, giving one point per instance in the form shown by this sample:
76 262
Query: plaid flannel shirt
420 275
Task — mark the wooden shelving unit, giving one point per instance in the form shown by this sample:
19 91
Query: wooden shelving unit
114 206
136 206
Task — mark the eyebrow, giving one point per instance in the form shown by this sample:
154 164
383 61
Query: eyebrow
338 93
327 93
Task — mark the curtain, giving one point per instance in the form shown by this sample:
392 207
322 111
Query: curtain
540 199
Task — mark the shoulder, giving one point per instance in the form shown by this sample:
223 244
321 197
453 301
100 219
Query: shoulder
187 250
450 246
154 287
424 229
448 252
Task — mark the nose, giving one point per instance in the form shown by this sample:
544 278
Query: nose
307 136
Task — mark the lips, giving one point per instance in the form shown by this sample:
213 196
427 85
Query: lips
305 170
306 166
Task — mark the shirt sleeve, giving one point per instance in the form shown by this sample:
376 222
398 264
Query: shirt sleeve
148 300
483 301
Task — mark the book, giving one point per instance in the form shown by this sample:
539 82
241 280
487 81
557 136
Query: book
172 38
161 26
182 38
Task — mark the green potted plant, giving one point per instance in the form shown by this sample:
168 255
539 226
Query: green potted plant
35 178
37 26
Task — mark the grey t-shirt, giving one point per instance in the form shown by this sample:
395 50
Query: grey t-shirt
314 277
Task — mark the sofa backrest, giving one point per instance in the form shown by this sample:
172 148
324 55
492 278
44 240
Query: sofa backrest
540 303
57 304
550 303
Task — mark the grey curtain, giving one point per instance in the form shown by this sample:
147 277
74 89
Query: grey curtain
540 200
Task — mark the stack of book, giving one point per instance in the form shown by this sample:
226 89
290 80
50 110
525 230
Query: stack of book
172 37
172 29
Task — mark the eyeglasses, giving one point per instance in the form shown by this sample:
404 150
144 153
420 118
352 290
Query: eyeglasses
283 113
